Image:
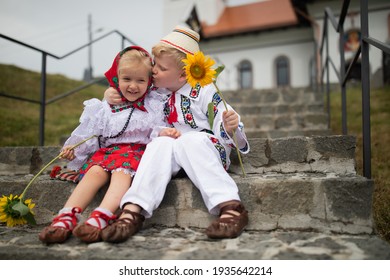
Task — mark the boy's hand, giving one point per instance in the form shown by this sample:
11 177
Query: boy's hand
112 96
230 121
67 153
170 132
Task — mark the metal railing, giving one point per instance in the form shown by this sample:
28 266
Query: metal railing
42 100
343 75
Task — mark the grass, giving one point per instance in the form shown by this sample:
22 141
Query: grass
20 120
20 124
380 148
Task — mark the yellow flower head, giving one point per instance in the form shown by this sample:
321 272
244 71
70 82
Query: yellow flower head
198 69
11 217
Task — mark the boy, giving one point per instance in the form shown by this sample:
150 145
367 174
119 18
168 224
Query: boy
202 151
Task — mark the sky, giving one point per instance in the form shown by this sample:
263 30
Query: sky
60 27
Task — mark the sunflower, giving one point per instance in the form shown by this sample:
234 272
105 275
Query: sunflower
198 69
12 217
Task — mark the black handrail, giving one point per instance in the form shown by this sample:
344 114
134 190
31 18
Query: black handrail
42 100
343 75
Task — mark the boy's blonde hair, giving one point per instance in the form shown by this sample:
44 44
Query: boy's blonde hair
161 48
135 56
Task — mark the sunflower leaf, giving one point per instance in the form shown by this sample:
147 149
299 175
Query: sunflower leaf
21 208
210 111
30 219
219 70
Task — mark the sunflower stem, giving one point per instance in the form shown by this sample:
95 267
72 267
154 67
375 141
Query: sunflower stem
47 165
234 133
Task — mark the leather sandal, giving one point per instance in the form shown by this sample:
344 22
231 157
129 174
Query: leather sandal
123 228
229 227
55 234
89 233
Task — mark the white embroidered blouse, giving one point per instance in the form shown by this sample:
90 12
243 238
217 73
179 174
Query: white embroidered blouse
99 118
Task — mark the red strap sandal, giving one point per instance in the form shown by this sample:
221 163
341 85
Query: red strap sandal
89 233
56 234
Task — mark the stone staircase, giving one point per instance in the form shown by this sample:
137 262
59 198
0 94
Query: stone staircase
304 198
280 112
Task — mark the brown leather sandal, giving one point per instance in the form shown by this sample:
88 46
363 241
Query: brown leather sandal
54 234
88 233
229 227
123 228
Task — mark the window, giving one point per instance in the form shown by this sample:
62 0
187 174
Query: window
245 74
282 71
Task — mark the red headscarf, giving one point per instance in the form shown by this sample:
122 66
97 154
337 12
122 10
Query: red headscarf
112 77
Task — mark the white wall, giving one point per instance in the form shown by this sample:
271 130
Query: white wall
261 50
263 63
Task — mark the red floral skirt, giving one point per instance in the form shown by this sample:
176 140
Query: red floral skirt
127 156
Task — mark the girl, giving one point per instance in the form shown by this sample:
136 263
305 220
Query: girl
123 132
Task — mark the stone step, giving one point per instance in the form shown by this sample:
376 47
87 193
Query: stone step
285 126
270 97
278 109
283 133
304 198
292 183
324 154
298 201
162 243
275 113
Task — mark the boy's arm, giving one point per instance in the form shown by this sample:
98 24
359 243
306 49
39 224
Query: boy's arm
225 122
231 122
112 96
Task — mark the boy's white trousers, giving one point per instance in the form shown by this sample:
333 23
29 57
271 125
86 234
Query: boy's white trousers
165 156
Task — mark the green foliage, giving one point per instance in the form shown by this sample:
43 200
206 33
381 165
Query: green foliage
219 70
380 149
20 120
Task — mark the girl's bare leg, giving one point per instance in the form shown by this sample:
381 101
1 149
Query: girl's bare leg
85 191
120 183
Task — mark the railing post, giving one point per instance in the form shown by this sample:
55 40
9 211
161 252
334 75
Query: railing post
343 86
327 68
365 73
42 101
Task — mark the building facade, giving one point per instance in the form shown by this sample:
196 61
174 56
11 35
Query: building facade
274 43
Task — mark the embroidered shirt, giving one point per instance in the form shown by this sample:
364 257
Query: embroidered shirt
192 114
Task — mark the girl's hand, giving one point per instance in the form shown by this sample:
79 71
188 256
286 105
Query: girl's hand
67 153
112 96
170 132
230 121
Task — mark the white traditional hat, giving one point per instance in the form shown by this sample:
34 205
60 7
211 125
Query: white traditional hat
184 39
